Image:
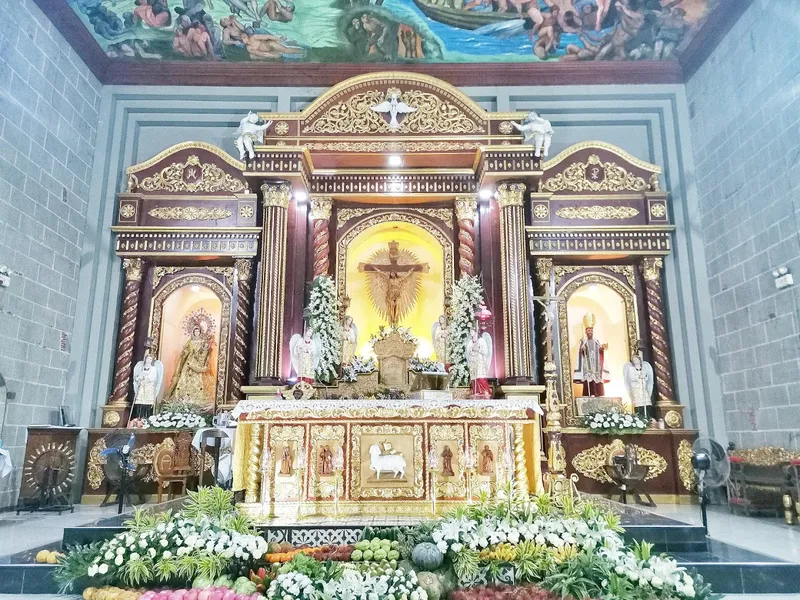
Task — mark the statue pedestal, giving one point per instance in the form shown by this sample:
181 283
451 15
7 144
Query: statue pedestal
592 404
394 353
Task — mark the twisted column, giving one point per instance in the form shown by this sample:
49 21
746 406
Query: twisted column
320 215
272 283
251 493
241 340
666 406
514 267
466 206
127 329
520 463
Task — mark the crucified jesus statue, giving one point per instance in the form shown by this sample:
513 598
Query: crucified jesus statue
393 281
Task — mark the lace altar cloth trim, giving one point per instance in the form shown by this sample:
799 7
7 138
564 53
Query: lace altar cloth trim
251 406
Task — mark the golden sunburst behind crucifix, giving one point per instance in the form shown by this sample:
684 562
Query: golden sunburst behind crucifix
394 281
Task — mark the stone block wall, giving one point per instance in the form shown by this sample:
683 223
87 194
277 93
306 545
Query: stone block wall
49 103
744 105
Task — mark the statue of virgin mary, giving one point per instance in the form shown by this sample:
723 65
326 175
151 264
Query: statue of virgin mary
189 383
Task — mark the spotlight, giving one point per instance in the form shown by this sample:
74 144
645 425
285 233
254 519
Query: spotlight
300 196
485 194
395 160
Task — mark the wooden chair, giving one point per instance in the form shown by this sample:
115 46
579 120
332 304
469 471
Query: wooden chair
171 464
216 437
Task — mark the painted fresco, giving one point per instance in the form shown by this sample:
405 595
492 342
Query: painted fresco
392 31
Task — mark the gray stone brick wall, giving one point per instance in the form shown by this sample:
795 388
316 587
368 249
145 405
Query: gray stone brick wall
49 104
744 104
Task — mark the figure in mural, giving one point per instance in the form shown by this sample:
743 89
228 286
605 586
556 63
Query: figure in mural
266 45
545 43
440 334
305 355
487 460
632 19
153 13
249 131
393 287
671 25
277 11
148 374
638 376
326 461
591 357
232 32
188 383
479 358
447 462
349 340
536 132
286 460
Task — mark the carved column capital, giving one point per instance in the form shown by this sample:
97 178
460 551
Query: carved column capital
133 269
321 207
466 207
244 269
511 194
276 194
651 268
544 266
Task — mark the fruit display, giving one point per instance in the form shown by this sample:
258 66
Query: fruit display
208 593
279 553
499 553
110 593
376 549
504 592
49 557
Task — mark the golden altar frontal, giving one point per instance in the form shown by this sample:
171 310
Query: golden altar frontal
391 454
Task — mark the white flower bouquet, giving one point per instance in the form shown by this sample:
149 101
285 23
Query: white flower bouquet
323 318
384 332
614 423
466 298
174 420
358 366
426 365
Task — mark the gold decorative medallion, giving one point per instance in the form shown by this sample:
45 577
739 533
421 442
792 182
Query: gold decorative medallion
592 461
594 176
505 128
246 211
685 470
658 210
673 419
281 128
192 176
127 211
111 419
540 211
597 213
189 213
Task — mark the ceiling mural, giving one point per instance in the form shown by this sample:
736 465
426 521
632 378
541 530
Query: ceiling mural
392 31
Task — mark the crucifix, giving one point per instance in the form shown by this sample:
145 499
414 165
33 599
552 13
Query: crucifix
392 278
545 301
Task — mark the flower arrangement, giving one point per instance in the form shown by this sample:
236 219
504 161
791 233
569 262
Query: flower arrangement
384 332
466 298
614 423
323 309
173 420
208 538
358 366
426 365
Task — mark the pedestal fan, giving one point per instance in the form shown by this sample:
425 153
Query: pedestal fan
712 467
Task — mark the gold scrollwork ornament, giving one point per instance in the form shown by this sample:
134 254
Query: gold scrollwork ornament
189 213
597 213
592 461
685 470
193 176
594 176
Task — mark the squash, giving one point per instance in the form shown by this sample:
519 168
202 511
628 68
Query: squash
430 583
427 556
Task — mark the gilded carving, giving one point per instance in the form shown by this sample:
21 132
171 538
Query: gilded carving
543 268
276 194
562 270
355 115
246 211
573 242
417 490
466 207
127 211
224 331
244 269
594 176
673 419
226 272
441 237
281 128
279 435
376 146
111 419
322 486
632 323
479 434
597 213
189 213
160 272
592 461
540 211
658 210
651 268
321 207
450 486
133 268
765 456
192 176
505 128
626 271
510 194
685 470
343 215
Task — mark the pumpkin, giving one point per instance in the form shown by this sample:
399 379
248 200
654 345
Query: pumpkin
430 583
427 556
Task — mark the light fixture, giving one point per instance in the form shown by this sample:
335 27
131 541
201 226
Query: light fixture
485 194
195 288
395 160
300 196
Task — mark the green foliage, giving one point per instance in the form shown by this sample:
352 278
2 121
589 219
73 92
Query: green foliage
533 562
576 578
74 565
212 502
136 572
306 565
642 550
466 564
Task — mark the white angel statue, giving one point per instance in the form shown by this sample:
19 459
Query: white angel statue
536 132
479 357
349 340
148 375
440 333
638 376
305 355
248 133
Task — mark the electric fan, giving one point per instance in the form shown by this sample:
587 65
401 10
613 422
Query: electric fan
712 467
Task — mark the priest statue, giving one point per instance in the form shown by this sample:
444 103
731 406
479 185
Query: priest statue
591 359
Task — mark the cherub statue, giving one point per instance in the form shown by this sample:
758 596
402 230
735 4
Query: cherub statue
305 355
537 132
638 376
148 375
248 133
479 357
